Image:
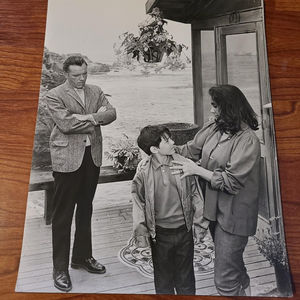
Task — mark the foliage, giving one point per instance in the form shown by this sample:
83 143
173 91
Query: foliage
272 247
173 63
52 74
52 69
153 40
125 154
123 60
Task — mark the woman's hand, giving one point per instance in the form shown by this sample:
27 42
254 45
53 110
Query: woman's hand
186 168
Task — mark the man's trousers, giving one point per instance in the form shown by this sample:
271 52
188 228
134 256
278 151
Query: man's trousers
73 189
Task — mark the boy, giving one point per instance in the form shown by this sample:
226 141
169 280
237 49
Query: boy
165 208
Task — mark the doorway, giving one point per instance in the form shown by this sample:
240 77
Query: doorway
241 60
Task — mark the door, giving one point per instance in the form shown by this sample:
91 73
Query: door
241 60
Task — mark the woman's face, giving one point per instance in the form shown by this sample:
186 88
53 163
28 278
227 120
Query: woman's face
215 111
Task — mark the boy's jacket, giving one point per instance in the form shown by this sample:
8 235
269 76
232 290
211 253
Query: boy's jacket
142 191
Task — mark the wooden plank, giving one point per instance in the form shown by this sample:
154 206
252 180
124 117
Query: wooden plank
221 57
43 180
197 77
210 290
100 214
201 9
46 266
46 238
36 264
225 20
141 288
84 281
99 220
112 270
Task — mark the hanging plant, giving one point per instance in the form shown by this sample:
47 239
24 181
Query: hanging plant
153 40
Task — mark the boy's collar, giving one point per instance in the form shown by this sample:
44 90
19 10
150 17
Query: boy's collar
156 163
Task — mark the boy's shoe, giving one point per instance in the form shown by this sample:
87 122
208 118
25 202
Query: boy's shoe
62 280
89 264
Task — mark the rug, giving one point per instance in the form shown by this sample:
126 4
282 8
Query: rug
140 258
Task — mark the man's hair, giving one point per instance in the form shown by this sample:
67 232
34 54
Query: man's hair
234 108
73 60
151 135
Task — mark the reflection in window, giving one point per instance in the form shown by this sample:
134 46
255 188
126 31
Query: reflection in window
242 67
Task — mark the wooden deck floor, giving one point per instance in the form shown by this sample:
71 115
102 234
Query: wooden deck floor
111 231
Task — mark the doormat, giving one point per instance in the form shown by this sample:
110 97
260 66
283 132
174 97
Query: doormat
140 258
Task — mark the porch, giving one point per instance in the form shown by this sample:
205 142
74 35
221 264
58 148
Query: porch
112 225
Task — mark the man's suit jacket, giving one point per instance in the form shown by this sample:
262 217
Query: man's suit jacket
68 137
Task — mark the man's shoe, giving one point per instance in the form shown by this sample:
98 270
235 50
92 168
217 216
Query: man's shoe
62 280
90 265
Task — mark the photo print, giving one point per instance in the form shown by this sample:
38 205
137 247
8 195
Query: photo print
154 166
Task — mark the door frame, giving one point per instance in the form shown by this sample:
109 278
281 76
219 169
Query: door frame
257 27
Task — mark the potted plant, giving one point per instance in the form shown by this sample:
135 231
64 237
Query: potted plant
153 40
125 154
272 247
182 132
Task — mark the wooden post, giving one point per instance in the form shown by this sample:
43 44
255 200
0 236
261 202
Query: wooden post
221 57
197 77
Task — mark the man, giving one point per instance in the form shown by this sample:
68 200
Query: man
78 111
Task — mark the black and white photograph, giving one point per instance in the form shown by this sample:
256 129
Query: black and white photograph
154 165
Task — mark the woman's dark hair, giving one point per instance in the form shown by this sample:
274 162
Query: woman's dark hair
151 135
73 60
233 107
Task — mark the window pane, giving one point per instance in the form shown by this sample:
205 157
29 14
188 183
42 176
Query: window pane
242 67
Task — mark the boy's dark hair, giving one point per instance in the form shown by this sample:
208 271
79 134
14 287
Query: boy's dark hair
234 108
73 60
151 135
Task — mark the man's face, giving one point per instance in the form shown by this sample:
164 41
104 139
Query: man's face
77 76
166 146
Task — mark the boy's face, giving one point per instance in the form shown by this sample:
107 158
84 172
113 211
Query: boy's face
166 146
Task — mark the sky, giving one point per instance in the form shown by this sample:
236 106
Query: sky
91 27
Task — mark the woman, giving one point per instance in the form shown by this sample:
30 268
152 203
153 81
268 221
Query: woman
229 154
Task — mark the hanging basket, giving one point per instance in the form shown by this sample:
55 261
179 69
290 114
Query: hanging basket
153 55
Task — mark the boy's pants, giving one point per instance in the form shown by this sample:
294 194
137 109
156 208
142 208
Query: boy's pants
231 278
172 255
